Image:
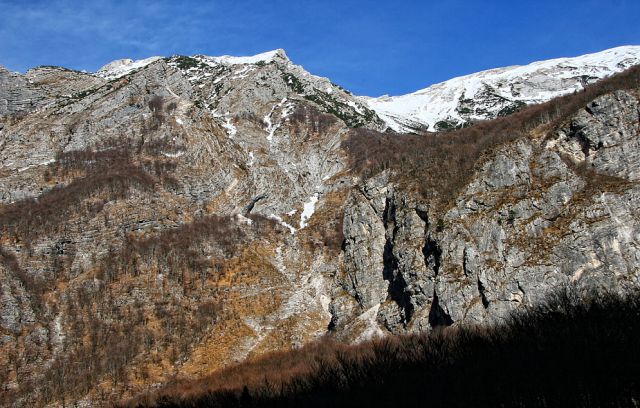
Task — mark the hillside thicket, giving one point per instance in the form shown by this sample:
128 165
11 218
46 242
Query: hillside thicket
567 352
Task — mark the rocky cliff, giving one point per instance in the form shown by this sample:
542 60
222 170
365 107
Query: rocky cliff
167 217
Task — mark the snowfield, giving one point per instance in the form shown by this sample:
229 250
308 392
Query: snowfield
534 83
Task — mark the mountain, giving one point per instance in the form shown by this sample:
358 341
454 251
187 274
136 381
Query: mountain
166 218
498 92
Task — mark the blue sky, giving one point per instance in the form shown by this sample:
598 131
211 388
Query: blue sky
369 47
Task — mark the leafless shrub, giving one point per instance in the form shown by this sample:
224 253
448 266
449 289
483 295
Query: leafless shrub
156 103
306 115
171 107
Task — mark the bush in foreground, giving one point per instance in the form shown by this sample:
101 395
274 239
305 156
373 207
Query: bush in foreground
565 353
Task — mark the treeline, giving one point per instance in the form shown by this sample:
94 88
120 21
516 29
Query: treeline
565 353
438 165
105 172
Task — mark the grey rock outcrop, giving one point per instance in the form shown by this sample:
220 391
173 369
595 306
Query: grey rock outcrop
604 136
17 95
529 223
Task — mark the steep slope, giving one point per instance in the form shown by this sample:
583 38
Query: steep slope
16 94
166 218
498 92
91 181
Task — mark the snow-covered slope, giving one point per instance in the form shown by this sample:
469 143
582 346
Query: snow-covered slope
122 67
265 57
497 92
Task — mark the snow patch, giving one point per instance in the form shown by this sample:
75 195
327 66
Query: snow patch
355 107
265 57
271 127
232 130
244 219
220 78
308 210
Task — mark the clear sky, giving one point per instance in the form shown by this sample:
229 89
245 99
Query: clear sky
369 47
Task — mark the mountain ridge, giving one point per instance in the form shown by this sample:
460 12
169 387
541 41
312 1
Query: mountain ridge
450 104
460 100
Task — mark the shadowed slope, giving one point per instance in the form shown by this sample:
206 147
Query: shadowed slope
564 353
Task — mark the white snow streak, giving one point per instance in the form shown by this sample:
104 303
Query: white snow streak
271 128
174 155
44 163
244 219
274 217
230 127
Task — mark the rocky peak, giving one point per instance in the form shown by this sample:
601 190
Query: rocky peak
228 84
278 55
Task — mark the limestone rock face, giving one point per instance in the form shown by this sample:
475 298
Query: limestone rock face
168 217
604 135
528 224
16 94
